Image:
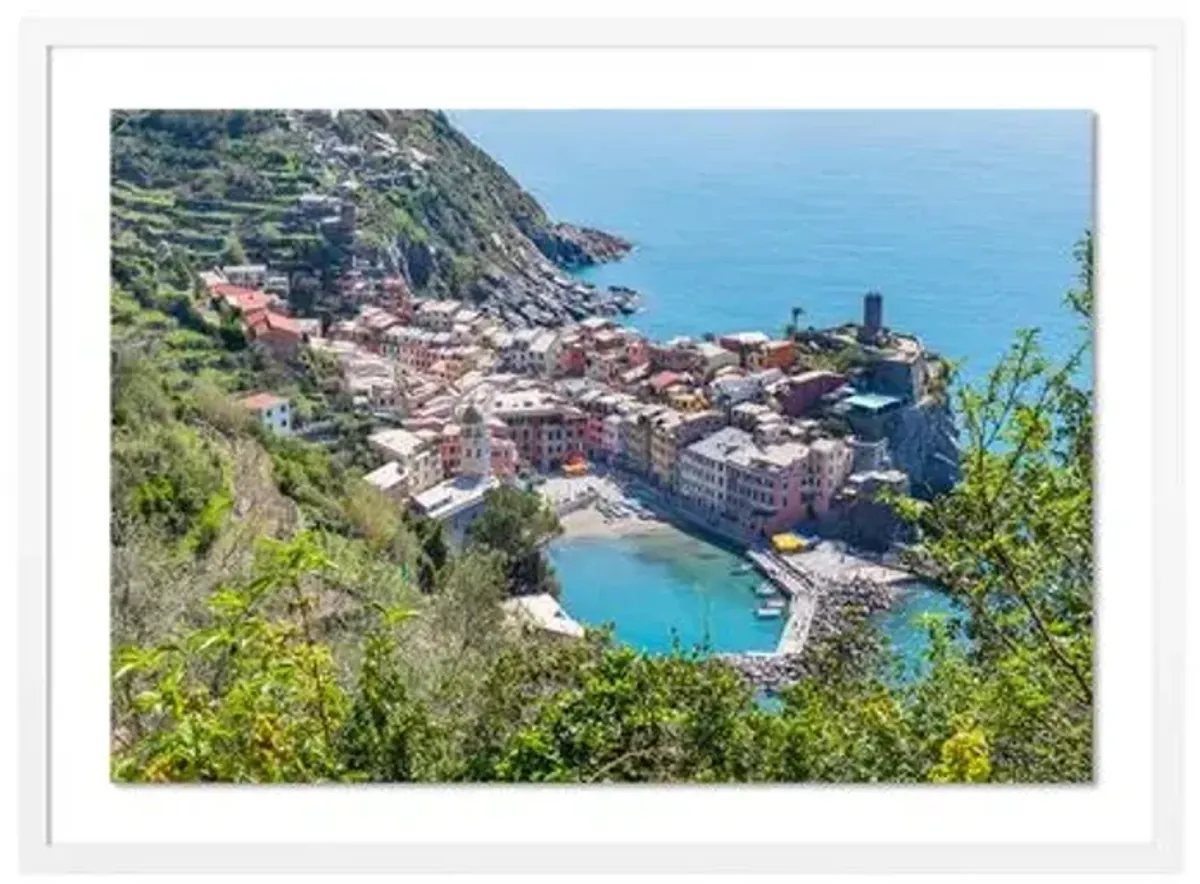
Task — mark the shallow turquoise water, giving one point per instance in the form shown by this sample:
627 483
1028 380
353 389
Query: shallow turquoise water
904 629
664 587
660 588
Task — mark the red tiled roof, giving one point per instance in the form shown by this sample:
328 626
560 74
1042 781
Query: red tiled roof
260 401
265 320
242 299
283 323
665 379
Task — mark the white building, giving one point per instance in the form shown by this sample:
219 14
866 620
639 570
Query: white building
832 462
543 353
515 353
436 315
252 276
456 503
476 443
703 468
275 412
715 357
416 455
390 479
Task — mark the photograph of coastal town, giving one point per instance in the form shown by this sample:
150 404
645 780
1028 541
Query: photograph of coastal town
466 446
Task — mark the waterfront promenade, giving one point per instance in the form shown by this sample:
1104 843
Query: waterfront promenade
802 599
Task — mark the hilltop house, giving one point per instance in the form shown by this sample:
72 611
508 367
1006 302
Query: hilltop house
273 412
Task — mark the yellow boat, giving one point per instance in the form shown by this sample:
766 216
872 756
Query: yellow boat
788 543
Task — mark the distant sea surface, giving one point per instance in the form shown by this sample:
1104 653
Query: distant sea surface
964 220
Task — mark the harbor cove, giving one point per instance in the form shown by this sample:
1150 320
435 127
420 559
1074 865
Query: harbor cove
739 216
669 589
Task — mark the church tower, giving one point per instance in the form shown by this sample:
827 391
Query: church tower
476 444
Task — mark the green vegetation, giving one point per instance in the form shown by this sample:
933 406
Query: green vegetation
274 619
359 648
516 525
224 187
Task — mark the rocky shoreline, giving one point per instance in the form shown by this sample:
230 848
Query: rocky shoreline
573 247
541 294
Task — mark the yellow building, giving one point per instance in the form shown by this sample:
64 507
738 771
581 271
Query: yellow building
663 446
687 401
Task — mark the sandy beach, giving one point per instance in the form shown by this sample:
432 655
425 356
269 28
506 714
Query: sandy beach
590 522
596 506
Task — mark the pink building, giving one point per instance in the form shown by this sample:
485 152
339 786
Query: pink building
504 458
593 433
637 351
762 489
572 359
451 449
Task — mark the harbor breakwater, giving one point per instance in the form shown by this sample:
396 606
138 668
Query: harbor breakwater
833 610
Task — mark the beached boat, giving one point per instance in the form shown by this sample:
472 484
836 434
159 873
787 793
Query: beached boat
769 613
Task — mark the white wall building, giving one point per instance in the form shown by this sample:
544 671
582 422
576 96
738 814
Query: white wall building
274 412
249 275
832 462
703 468
417 455
543 353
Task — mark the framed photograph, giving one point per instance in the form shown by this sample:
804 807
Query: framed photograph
661 446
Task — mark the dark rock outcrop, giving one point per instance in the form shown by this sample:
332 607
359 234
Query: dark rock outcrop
573 247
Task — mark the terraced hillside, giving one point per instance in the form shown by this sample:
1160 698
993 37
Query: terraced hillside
331 201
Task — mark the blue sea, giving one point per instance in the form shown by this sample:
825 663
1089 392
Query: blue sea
964 220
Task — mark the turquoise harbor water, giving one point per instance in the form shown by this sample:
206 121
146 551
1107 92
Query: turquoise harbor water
661 588
964 220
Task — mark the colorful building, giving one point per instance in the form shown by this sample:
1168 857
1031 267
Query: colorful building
805 390
417 455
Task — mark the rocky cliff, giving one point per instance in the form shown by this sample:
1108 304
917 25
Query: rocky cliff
923 442
330 197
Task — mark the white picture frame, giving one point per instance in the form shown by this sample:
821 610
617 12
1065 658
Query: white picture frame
43 850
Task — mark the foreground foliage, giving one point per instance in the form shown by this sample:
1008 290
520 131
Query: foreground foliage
276 620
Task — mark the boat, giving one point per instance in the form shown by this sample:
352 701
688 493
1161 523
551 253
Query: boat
775 603
765 590
743 568
769 613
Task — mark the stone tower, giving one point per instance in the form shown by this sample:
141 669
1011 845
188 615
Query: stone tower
872 316
476 444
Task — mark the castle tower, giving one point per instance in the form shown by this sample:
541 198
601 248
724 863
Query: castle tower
476 444
872 316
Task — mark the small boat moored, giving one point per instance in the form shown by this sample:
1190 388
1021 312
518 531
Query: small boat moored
769 612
